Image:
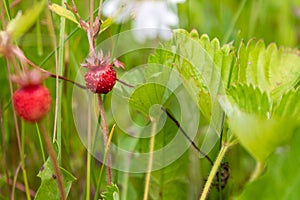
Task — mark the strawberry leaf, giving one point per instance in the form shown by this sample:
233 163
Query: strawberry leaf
272 69
261 124
49 187
111 192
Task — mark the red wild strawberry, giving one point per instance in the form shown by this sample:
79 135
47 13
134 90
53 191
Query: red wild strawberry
32 100
101 77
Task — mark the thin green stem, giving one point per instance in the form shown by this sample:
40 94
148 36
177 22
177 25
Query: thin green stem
6 6
41 142
15 180
23 162
214 171
150 163
88 170
59 71
39 36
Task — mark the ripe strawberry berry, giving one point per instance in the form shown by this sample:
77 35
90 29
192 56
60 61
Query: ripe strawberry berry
101 77
32 100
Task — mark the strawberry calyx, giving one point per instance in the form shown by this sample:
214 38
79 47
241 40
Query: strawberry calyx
29 77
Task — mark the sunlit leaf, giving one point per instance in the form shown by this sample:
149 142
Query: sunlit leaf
259 125
106 24
21 23
63 12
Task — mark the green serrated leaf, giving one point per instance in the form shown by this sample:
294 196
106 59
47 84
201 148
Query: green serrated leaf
21 23
63 12
272 69
289 105
259 127
205 66
49 187
111 193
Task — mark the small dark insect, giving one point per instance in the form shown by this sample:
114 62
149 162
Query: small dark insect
53 176
220 180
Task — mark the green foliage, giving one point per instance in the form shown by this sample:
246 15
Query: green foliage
271 69
111 193
49 187
281 179
22 23
258 124
63 12
171 181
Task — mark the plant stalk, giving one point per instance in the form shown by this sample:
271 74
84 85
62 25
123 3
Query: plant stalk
105 136
150 163
88 167
214 170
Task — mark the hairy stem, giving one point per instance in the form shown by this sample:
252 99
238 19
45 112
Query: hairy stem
105 134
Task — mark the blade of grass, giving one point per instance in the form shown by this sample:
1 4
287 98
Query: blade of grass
15 181
7 10
58 90
150 162
41 142
23 161
88 167
233 22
